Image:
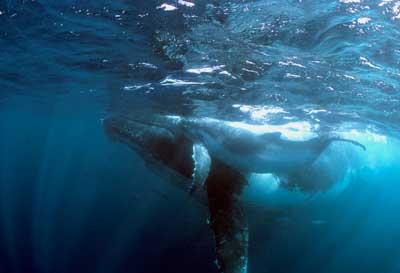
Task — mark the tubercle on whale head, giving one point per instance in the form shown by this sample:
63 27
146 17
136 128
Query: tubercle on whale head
164 146
121 129
112 127
137 134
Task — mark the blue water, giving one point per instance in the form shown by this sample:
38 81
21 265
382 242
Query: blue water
73 201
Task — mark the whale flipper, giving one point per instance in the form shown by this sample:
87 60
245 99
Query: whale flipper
227 218
201 163
356 143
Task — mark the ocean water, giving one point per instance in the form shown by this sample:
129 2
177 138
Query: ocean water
71 200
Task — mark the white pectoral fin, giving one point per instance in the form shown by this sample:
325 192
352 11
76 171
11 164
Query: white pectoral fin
202 164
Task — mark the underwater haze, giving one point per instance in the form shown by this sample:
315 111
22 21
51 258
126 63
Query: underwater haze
72 200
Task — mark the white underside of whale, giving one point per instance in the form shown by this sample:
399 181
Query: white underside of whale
273 158
296 131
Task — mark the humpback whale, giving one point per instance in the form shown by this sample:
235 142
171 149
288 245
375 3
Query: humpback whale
212 159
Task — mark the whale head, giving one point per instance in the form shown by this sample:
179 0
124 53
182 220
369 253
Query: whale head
138 134
157 141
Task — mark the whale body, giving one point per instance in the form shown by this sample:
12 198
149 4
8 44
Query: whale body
216 160
251 152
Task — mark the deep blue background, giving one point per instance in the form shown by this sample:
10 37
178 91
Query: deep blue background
73 201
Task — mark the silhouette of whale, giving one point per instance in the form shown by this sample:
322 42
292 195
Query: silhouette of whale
211 159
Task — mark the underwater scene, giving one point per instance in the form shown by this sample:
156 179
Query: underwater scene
218 136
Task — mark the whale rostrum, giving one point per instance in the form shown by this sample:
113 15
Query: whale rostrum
211 159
